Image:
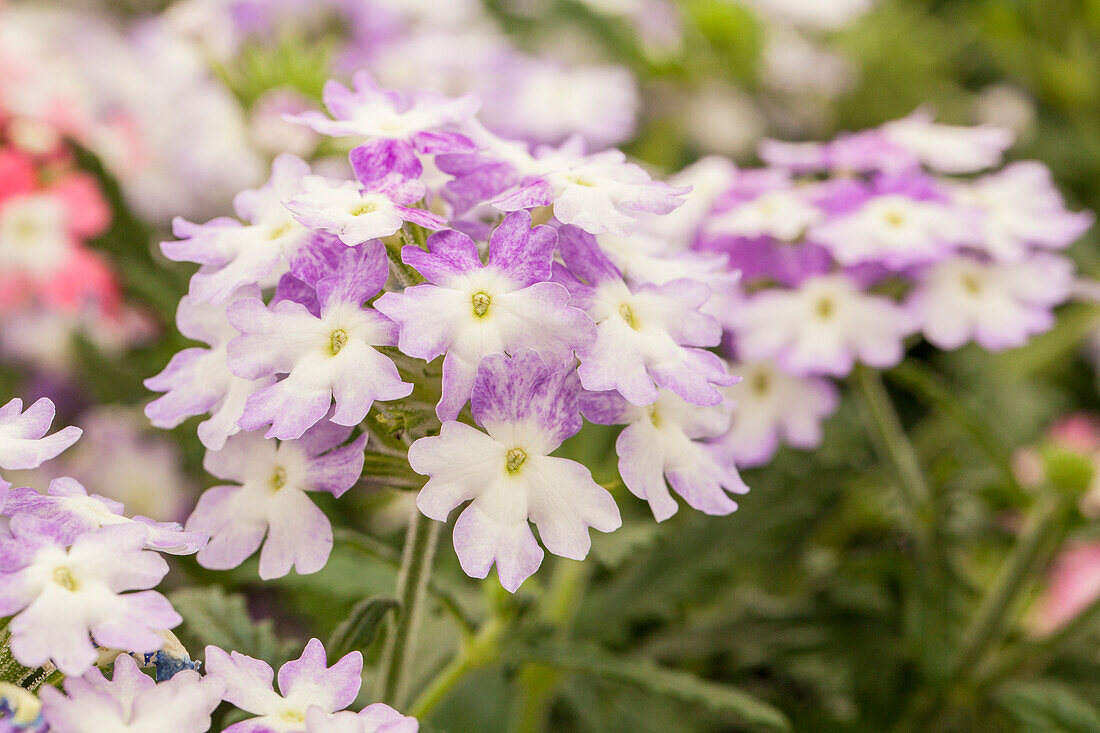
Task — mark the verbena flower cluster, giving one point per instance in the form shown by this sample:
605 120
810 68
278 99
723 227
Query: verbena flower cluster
851 249
453 48
447 241
76 584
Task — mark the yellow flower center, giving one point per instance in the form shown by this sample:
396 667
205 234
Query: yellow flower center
366 207
760 383
64 577
337 340
516 457
627 314
825 307
481 302
894 219
971 283
278 479
280 230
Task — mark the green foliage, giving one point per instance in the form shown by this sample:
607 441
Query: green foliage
1048 706
654 680
211 616
359 629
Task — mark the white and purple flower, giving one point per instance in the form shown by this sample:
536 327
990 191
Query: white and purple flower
506 473
646 337
268 505
197 380
60 589
666 444
233 254
23 440
132 701
326 358
357 213
468 310
69 506
310 692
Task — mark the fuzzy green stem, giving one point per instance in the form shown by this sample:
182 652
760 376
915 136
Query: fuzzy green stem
412 583
477 651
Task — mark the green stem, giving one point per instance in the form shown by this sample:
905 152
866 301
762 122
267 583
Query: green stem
477 651
412 582
1034 655
927 385
386 554
991 618
925 600
558 608
892 443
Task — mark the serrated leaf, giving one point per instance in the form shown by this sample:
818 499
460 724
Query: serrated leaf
360 627
647 676
1048 706
211 616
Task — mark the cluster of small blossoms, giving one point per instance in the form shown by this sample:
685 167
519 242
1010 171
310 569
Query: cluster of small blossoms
76 580
68 74
453 48
849 248
308 303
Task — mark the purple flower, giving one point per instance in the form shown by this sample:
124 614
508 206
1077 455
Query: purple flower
305 683
999 305
822 327
507 474
597 193
468 310
894 230
900 145
948 148
597 102
70 507
269 499
774 407
781 213
23 440
232 254
397 126
376 718
326 358
132 701
356 213
643 335
664 442
60 588
1020 209
197 380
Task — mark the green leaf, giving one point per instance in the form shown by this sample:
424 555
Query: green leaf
391 471
359 629
650 678
210 616
1048 706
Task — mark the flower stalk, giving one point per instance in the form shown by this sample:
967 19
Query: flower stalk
412 584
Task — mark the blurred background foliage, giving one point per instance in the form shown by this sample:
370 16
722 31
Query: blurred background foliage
816 597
